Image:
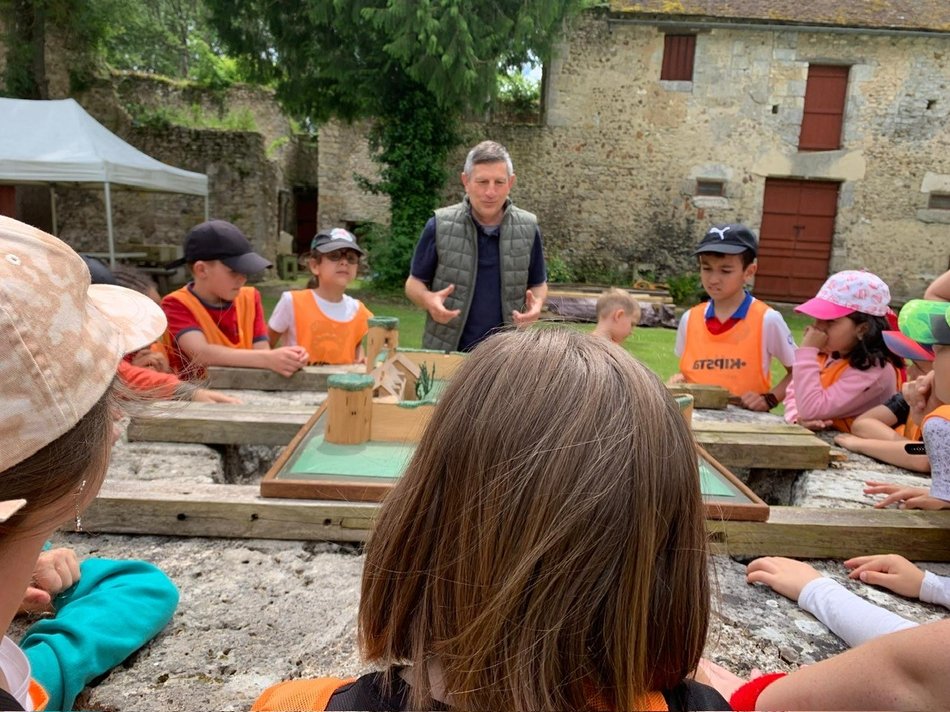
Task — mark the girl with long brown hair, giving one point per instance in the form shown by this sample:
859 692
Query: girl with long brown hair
545 549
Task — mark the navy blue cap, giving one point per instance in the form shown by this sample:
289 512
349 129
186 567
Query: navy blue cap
222 241
728 240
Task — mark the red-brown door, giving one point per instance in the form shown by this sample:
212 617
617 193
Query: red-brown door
306 200
798 225
8 200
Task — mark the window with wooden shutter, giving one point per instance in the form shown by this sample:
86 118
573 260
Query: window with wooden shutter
823 117
678 53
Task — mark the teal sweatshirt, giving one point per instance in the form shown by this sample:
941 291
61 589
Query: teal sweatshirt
112 611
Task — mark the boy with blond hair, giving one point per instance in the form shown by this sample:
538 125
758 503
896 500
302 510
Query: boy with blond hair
730 340
617 313
216 320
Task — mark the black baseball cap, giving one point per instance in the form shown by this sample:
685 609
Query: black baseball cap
222 241
335 239
728 240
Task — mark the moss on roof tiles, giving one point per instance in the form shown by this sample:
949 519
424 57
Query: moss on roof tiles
931 15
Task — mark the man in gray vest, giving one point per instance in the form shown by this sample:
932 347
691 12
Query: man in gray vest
479 264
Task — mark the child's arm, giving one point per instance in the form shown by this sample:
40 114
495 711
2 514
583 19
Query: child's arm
678 347
286 360
885 449
906 670
274 337
854 392
939 289
849 616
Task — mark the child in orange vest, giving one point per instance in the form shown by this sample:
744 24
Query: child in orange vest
542 550
730 340
617 313
882 431
325 320
843 366
61 340
215 320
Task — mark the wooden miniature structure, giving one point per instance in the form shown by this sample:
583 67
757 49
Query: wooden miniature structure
383 335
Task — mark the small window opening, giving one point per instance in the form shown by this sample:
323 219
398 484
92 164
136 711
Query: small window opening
678 54
774 108
712 188
939 201
931 103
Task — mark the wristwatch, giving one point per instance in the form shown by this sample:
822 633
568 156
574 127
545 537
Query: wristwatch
770 400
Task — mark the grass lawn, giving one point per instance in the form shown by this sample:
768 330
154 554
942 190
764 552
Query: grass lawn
653 346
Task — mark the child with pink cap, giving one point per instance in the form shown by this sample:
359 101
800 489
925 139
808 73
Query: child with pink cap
843 366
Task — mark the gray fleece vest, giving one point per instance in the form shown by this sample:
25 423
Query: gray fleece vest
456 242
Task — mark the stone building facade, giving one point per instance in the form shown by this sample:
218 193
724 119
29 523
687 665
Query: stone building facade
613 170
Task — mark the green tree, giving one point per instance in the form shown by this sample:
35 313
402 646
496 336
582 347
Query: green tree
416 68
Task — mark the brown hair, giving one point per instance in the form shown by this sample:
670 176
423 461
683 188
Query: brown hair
547 539
614 299
67 471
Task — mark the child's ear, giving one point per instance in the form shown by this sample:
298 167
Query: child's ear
619 314
751 270
199 269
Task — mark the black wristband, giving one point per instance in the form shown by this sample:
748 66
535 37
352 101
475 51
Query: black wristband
770 400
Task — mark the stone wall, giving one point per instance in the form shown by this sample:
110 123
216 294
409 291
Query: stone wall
612 173
344 154
629 147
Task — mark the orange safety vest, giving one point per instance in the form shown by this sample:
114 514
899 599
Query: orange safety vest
315 695
245 305
942 411
327 340
732 359
910 430
39 697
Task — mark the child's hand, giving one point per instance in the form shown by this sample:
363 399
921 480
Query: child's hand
904 497
719 678
54 572
785 576
888 570
919 395
676 378
816 424
849 441
287 360
814 338
206 395
754 401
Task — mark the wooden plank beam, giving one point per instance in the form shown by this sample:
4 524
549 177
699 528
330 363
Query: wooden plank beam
780 447
236 511
232 511
704 397
772 451
309 378
219 424
837 534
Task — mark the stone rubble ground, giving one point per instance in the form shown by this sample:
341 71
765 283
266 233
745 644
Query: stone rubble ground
254 612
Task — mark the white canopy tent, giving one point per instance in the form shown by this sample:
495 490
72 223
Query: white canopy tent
58 142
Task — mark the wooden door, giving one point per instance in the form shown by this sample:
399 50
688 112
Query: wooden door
306 228
798 225
823 116
8 200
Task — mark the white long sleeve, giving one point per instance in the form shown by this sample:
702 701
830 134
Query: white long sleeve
935 589
849 616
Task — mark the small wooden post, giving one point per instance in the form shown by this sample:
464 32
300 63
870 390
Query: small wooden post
383 334
685 403
349 408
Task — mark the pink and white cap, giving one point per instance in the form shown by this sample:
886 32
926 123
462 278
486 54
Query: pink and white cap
60 338
846 292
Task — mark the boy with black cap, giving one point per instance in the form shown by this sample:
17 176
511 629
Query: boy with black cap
325 320
216 320
730 340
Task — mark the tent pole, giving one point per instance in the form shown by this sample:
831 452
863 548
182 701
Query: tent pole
109 226
207 212
52 205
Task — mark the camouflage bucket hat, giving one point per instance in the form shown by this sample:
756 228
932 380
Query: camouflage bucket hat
925 321
61 338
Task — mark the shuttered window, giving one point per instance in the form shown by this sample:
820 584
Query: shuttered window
678 53
823 117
